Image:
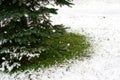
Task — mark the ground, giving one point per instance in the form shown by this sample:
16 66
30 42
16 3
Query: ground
99 19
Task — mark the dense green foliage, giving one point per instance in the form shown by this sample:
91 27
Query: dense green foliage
24 28
63 48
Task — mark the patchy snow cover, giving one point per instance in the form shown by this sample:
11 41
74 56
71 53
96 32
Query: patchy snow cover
100 19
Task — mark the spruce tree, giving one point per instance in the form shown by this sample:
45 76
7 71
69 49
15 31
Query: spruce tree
25 27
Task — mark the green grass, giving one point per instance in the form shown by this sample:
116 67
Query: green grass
68 46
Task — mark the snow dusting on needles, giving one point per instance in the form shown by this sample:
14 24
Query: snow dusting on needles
53 31
100 19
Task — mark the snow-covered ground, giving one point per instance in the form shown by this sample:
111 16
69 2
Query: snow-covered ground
100 19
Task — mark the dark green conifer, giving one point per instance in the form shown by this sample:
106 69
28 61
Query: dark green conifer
25 26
